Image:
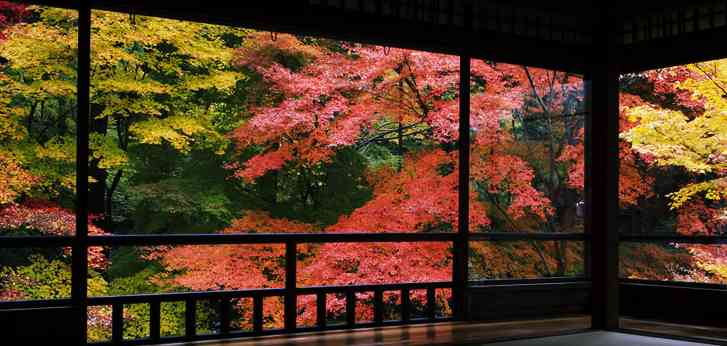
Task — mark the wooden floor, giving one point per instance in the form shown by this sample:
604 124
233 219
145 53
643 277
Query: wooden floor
434 334
598 338
657 327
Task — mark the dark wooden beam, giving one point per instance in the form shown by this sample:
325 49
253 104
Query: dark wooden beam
79 254
601 181
689 48
301 18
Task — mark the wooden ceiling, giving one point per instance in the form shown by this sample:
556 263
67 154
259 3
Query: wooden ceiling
556 34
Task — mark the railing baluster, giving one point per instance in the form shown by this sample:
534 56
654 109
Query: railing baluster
257 313
350 307
321 309
431 303
117 323
290 301
225 301
154 320
190 318
225 315
405 305
378 307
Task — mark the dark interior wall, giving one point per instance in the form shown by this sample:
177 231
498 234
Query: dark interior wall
506 302
697 306
58 325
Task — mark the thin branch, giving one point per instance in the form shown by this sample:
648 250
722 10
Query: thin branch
709 76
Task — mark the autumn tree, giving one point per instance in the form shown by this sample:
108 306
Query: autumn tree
393 114
677 129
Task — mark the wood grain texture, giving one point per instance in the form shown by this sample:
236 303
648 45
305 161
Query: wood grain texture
454 333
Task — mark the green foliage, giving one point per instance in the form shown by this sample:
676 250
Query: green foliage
45 278
136 321
42 279
180 193
317 194
127 261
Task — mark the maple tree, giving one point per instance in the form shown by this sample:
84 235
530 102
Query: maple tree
397 109
672 127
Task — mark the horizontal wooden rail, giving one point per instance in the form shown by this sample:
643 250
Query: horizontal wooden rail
510 282
518 236
264 238
36 241
673 238
264 292
32 304
181 296
678 284
281 238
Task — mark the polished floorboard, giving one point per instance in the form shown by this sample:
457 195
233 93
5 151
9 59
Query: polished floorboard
547 332
419 335
597 339
683 330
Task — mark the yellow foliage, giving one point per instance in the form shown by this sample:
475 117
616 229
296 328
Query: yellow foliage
698 144
108 154
179 131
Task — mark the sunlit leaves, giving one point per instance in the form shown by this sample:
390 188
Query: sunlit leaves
42 279
714 190
674 140
15 179
179 131
107 153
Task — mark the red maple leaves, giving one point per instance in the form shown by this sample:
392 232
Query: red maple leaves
351 96
11 13
49 219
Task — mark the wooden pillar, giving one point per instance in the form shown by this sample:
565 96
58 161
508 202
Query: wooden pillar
602 169
79 266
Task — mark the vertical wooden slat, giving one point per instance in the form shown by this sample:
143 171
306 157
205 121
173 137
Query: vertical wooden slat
350 308
225 311
117 323
378 306
154 320
431 303
290 299
695 18
190 318
436 12
461 243
257 313
405 305
452 12
79 257
649 28
321 309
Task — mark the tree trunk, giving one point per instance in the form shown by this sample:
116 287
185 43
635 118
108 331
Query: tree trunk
97 188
